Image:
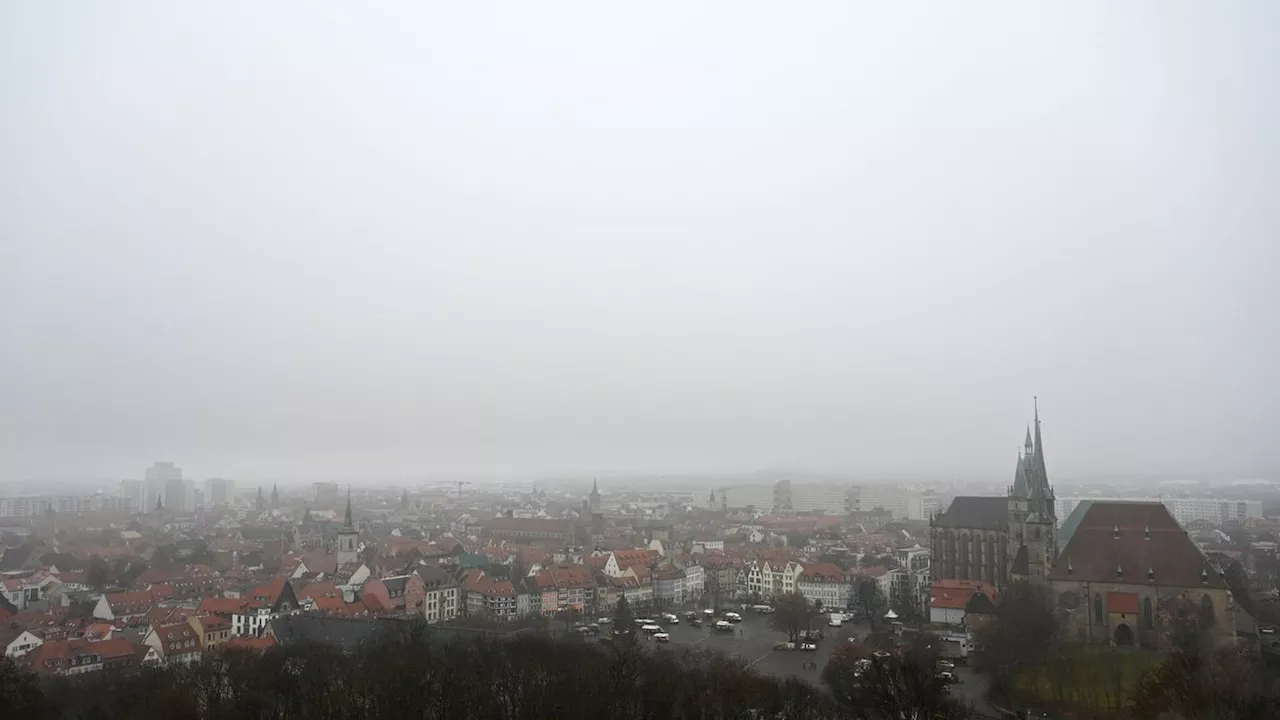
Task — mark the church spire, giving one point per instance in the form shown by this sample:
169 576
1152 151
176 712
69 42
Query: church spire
346 521
1019 480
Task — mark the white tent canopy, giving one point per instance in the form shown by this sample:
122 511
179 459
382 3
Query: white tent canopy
891 615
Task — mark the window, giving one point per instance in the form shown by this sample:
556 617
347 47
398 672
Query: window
1097 608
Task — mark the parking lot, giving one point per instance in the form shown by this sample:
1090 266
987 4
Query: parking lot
753 641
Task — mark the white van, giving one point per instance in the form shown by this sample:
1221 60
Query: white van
732 617
836 619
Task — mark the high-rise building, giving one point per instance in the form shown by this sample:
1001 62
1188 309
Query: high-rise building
157 481
326 494
175 495
218 491
136 492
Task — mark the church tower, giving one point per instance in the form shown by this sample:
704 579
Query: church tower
348 538
1033 517
595 497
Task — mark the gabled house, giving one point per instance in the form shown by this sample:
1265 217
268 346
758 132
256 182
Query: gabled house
263 603
17 642
441 594
124 605
824 584
176 643
211 630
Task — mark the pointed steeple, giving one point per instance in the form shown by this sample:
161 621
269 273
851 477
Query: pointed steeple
259 503
1028 448
595 485
1019 488
275 495
347 523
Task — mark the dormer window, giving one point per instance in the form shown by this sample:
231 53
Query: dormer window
1119 572
1070 569
1151 574
1146 533
1204 576
1115 532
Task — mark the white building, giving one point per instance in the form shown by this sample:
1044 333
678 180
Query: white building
742 497
30 506
904 503
825 584
829 499
1218 511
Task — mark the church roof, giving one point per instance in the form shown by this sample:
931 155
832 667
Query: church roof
985 513
1134 538
1072 522
1021 562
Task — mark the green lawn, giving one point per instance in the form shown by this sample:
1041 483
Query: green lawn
1088 677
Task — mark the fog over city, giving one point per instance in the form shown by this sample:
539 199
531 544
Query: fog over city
322 240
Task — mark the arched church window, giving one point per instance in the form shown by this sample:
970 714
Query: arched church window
1097 608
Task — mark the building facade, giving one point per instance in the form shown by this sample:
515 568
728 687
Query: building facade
1217 511
1126 568
1000 539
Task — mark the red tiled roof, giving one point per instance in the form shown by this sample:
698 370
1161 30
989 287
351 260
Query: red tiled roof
1122 602
130 603
172 637
627 558
823 572
1142 541
221 605
113 649
250 643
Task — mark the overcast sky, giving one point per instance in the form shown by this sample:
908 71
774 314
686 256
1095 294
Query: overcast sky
326 239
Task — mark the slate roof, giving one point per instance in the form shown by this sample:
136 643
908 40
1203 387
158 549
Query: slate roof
985 513
346 634
14 559
1021 562
1136 538
981 604
1072 521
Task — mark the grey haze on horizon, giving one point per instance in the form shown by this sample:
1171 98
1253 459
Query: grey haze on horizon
316 239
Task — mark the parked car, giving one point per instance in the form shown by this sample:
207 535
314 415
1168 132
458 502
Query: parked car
604 621
709 612
766 609
724 626
944 666
1267 630
808 646
671 618
696 622
784 646
662 637
835 621
651 629
733 617
946 676
810 634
